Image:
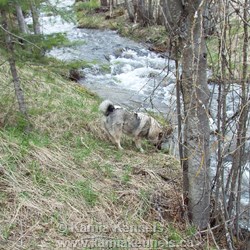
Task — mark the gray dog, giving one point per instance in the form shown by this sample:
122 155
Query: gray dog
117 121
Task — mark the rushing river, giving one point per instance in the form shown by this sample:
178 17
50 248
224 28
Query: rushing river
122 70
129 74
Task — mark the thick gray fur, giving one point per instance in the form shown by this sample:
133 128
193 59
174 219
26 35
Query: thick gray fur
117 120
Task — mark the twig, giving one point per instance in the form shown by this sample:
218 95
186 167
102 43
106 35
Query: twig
19 37
211 233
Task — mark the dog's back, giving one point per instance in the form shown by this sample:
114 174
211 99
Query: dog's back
118 116
117 120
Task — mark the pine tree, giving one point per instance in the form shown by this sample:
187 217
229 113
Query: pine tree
12 62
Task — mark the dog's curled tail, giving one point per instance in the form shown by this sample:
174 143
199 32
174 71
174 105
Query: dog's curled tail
106 107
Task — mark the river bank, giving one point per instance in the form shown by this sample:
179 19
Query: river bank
154 37
143 35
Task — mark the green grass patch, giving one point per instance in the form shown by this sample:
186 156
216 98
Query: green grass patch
36 173
25 140
126 176
85 190
174 235
88 5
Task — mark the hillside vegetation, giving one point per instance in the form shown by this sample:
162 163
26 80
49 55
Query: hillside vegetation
64 185
66 175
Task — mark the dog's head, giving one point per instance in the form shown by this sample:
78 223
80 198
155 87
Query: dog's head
159 135
163 137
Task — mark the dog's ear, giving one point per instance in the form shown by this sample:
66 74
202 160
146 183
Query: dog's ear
168 131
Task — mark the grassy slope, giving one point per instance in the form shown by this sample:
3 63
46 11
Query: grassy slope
66 171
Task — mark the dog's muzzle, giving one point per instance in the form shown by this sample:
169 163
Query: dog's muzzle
158 146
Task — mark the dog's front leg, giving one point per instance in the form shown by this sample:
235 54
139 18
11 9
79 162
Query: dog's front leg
117 141
137 141
119 146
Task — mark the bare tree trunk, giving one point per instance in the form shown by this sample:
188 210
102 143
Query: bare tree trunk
147 12
239 153
185 25
141 11
173 12
221 115
111 7
12 63
151 6
20 18
130 10
136 9
104 3
35 18
178 108
160 16
196 130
